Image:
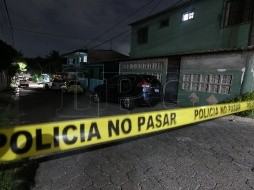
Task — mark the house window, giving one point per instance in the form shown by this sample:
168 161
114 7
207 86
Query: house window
164 23
71 61
143 35
238 11
207 83
188 16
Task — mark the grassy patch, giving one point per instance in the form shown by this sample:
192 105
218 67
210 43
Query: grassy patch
9 178
5 118
15 175
249 96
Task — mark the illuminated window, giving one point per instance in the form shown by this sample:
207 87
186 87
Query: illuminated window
188 16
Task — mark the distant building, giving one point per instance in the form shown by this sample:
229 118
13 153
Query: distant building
92 67
202 50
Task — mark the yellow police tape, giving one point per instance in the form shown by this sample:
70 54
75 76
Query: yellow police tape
42 139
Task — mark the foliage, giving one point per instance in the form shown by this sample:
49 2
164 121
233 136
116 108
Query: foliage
8 53
5 118
37 77
54 61
9 178
53 55
249 96
15 175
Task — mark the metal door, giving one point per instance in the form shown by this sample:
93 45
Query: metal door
172 81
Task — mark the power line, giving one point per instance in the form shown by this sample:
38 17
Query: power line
50 34
157 4
122 40
9 22
111 39
2 25
124 20
130 15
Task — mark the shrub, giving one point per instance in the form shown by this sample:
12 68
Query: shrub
249 96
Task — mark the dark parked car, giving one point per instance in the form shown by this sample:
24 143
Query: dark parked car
73 86
57 84
129 90
23 83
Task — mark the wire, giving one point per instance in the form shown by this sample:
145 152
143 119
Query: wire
110 39
9 22
2 28
50 34
130 15
157 4
2 25
122 40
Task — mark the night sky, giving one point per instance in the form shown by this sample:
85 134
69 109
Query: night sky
80 21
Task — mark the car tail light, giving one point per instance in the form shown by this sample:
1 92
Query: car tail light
144 85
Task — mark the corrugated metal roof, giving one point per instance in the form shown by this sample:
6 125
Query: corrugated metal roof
172 7
103 55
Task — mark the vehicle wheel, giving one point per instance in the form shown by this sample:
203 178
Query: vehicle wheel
96 98
128 103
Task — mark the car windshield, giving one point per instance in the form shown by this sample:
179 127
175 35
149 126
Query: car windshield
150 79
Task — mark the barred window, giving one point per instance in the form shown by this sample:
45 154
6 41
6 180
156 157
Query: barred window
207 83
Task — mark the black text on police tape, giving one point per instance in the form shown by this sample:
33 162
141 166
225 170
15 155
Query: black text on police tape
72 134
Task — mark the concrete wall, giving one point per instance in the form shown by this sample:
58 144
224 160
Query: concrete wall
202 33
209 79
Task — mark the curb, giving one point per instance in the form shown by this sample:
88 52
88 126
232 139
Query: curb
235 118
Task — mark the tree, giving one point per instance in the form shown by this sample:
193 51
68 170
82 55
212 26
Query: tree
53 56
54 61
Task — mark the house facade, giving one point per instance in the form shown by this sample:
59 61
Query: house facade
214 43
92 67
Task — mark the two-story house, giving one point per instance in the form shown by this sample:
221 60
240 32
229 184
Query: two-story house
92 67
206 49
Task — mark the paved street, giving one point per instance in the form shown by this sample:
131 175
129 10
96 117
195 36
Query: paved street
217 154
